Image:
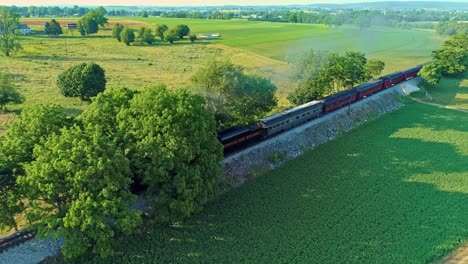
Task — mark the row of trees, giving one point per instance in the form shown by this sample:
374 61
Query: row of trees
450 60
145 35
71 177
451 28
320 73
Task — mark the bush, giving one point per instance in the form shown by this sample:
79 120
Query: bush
83 80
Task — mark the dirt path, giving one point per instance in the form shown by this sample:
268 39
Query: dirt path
459 256
439 105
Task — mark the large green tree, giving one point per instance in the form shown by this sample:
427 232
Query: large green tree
127 35
9 23
116 30
89 23
173 149
182 30
8 92
171 35
33 127
234 97
160 29
145 35
79 190
53 28
84 80
452 57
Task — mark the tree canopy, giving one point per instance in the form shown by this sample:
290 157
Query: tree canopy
89 23
9 23
116 30
234 97
321 72
160 29
127 35
79 190
33 126
173 149
145 35
53 28
450 60
8 93
83 80
182 30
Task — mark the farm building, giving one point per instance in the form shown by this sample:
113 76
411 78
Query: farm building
25 29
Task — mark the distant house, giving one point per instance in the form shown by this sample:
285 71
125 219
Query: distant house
25 29
71 26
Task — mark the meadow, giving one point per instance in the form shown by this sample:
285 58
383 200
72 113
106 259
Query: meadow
399 195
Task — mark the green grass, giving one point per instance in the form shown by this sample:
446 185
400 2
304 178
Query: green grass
399 48
452 92
395 190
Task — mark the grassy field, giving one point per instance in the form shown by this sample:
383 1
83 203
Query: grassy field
285 41
399 195
452 92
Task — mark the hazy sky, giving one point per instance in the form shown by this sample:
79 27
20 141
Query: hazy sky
180 2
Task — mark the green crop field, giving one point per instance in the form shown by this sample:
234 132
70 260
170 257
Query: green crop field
399 48
394 190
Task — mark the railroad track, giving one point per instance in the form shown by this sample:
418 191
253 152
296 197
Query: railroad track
15 239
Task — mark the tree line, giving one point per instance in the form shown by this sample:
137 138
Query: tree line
127 35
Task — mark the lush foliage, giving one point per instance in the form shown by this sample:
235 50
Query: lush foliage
172 146
83 80
53 28
8 92
450 60
450 28
78 187
366 197
234 97
182 30
33 127
171 35
89 23
160 29
116 30
127 35
9 23
145 35
321 72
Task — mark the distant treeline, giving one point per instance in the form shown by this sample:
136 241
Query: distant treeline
331 17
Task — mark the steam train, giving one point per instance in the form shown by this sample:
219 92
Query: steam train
267 127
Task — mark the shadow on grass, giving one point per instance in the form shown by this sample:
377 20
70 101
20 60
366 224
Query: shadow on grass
372 196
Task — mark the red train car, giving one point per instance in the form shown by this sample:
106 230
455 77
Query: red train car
368 88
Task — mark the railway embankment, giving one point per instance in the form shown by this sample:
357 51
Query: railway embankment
274 152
